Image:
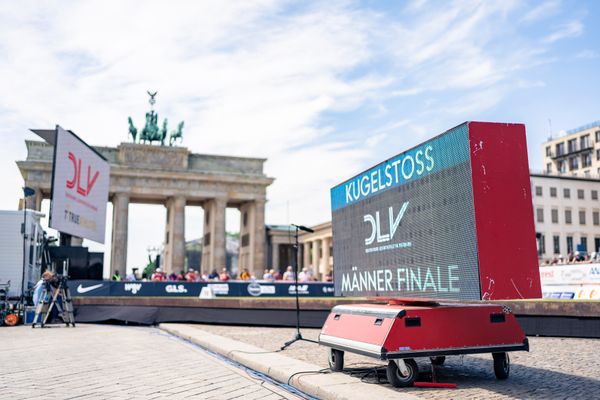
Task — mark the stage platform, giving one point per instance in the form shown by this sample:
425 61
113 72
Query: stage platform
567 318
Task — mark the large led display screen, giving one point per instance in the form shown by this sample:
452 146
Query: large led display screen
80 180
406 226
451 218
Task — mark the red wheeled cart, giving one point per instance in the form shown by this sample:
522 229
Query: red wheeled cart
403 330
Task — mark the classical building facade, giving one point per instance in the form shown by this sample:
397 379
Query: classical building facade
566 210
173 177
577 153
315 249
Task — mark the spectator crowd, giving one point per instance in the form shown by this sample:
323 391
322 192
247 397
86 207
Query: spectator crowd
574 258
270 275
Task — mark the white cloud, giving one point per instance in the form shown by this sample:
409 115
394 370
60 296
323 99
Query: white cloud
320 89
544 10
569 30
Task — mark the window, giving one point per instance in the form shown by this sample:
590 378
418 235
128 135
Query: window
538 190
597 245
586 160
560 149
598 154
548 151
567 193
554 214
584 142
582 217
539 214
583 243
597 136
596 218
594 195
569 244
572 145
580 195
556 244
573 163
567 216
548 168
552 192
561 166
541 244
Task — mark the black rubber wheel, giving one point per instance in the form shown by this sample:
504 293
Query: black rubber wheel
336 360
439 360
396 378
501 365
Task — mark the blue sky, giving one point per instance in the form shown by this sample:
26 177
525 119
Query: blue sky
323 90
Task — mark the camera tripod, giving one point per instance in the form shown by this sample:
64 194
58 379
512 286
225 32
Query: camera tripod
50 299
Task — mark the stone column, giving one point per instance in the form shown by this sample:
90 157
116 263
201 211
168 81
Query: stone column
258 242
274 256
316 260
213 250
118 258
175 235
325 261
306 254
253 238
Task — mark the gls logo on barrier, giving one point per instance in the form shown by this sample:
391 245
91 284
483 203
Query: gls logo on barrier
175 289
376 225
76 180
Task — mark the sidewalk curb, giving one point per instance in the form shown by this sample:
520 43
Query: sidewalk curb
331 386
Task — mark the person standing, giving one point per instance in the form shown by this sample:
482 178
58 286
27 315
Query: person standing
289 274
117 276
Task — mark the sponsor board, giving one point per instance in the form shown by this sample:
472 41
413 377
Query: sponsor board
134 288
577 274
80 179
175 288
302 289
571 292
194 289
219 289
256 289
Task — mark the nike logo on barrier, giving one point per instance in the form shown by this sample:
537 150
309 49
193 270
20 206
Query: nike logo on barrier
81 289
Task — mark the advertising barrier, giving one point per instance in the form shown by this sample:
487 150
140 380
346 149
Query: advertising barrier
86 288
578 281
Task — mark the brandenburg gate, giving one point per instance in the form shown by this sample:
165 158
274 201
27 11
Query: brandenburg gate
176 178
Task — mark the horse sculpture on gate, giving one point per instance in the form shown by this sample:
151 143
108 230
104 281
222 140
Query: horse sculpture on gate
151 131
177 134
132 129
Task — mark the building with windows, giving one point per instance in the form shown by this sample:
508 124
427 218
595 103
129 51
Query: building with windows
566 211
577 153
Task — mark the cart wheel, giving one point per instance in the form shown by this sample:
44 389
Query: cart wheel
396 378
439 360
336 360
501 365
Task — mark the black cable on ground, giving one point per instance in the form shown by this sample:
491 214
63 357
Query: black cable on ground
321 371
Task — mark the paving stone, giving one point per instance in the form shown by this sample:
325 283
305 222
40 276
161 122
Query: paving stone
554 368
113 362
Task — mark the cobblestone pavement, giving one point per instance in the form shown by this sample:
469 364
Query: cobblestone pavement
113 362
555 368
